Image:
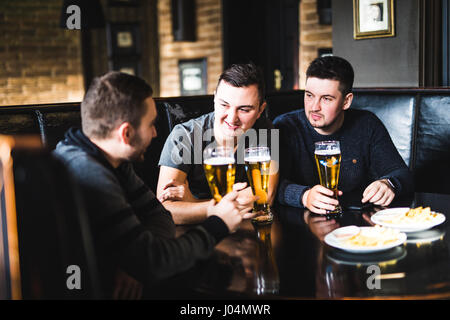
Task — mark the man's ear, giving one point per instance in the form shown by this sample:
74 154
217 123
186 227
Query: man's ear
347 101
262 108
125 132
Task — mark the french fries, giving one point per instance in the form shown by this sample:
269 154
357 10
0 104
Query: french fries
413 216
373 237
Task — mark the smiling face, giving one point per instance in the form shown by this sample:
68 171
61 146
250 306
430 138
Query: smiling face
325 104
236 110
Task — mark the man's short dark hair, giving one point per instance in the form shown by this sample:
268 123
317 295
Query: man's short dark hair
244 75
333 68
111 100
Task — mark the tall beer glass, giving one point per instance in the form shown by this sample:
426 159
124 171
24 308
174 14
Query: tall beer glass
328 161
220 170
257 166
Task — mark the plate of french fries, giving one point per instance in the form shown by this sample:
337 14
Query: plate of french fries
408 219
365 239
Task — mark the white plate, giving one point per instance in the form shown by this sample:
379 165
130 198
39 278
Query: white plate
381 216
332 240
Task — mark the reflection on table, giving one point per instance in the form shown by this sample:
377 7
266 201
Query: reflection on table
288 259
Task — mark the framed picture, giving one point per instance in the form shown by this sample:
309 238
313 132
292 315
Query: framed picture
193 76
130 65
373 19
123 3
123 39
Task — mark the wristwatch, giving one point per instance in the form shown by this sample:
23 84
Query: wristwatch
391 184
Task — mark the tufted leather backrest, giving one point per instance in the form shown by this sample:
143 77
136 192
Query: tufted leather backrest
182 109
432 165
416 119
397 112
283 102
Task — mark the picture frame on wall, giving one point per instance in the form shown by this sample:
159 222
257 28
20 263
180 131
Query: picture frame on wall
123 39
193 76
373 19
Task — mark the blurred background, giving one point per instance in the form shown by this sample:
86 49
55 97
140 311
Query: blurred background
181 46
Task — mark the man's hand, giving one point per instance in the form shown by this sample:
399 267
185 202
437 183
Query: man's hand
126 287
176 190
227 210
245 199
319 199
379 193
320 226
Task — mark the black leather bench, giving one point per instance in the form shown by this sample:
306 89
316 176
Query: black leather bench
418 121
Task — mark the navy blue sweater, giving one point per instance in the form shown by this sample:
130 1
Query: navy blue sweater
368 154
131 228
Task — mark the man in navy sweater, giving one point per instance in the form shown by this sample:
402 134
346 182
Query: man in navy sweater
372 170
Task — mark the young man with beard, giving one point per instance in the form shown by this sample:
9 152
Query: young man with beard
372 170
131 229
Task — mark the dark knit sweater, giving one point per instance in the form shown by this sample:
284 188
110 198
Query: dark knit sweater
368 154
131 228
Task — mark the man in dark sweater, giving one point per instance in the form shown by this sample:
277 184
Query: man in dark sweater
132 230
372 170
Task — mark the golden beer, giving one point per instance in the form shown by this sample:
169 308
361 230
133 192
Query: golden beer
257 166
328 161
220 171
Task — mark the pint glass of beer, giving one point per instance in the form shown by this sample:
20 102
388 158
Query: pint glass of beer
220 170
328 161
257 166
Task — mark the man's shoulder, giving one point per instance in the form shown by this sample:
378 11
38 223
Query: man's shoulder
79 162
205 121
363 117
290 118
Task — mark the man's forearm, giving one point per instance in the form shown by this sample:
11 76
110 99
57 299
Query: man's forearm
186 212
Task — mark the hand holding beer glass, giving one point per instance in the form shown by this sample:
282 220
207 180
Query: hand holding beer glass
257 164
328 161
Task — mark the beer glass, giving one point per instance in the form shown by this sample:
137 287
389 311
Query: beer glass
257 166
220 170
328 161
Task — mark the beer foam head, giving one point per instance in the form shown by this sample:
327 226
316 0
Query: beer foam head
329 152
263 158
219 161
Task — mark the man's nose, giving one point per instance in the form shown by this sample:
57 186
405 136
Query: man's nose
155 133
232 116
316 105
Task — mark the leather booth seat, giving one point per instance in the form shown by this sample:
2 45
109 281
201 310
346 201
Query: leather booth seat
418 121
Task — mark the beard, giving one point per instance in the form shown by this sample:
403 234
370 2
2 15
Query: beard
140 148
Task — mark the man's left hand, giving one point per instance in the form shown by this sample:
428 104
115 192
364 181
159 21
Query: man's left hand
379 193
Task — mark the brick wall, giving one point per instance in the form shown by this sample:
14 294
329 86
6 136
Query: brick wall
312 36
39 61
208 45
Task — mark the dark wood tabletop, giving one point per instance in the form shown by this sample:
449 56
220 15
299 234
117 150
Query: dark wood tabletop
289 259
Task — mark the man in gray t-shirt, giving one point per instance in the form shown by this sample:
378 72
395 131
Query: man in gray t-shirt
238 106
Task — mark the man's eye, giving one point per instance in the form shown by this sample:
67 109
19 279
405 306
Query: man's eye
245 110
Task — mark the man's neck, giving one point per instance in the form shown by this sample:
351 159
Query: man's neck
107 147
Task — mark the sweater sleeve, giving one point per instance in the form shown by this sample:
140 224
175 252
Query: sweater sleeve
120 233
386 161
289 193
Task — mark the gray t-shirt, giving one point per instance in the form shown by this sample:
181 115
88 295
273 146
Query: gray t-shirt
183 150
